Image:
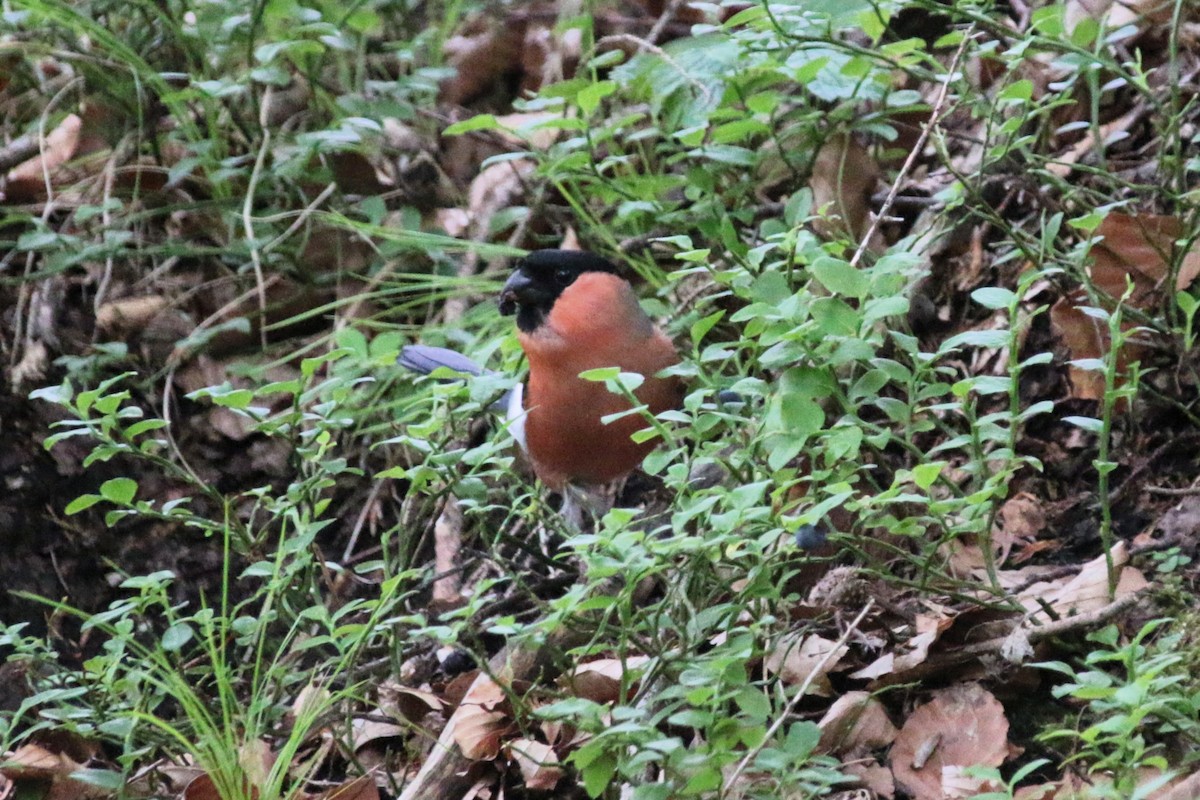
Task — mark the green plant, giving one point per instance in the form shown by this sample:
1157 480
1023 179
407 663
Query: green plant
270 656
1132 696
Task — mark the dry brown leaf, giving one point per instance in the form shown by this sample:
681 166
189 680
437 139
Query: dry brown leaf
26 181
201 788
365 732
118 318
1020 520
1113 15
1139 247
1134 247
1086 338
872 776
497 187
1065 163
355 174
1087 591
795 658
600 680
547 57
481 59
958 785
481 720
960 727
406 703
447 542
916 649
843 179
360 788
538 763
479 731
1186 789
855 720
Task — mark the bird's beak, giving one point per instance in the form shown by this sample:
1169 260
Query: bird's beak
519 290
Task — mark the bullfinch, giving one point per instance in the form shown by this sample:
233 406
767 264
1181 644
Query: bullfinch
575 313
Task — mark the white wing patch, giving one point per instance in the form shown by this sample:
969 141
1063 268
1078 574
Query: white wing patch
514 415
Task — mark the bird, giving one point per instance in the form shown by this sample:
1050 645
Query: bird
575 313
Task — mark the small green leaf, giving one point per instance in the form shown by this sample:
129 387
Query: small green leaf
176 636
924 475
600 374
840 277
120 491
993 297
84 501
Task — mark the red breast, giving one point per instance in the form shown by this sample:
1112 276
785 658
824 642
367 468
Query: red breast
596 322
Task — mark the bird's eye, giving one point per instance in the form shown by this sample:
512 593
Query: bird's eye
563 277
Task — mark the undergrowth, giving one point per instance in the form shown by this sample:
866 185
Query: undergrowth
699 165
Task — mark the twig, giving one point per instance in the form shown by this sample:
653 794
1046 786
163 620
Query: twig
664 19
1169 491
248 217
301 218
936 665
935 117
784 715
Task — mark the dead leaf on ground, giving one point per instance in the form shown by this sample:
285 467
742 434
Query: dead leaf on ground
855 720
360 788
958 785
872 776
1087 591
27 181
795 658
844 176
1142 14
480 58
961 726
481 720
406 703
929 628
538 763
1086 337
500 186
1141 248
600 680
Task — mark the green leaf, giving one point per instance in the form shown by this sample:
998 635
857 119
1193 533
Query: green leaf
600 374
84 501
590 96
840 277
1090 424
598 774
993 297
176 636
120 491
924 475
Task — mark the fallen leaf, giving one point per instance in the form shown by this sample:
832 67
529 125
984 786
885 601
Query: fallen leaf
958 785
843 179
1087 591
1086 338
961 726
796 658
360 788
855 720
481 720
872 776
537 762
480 58
600 680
